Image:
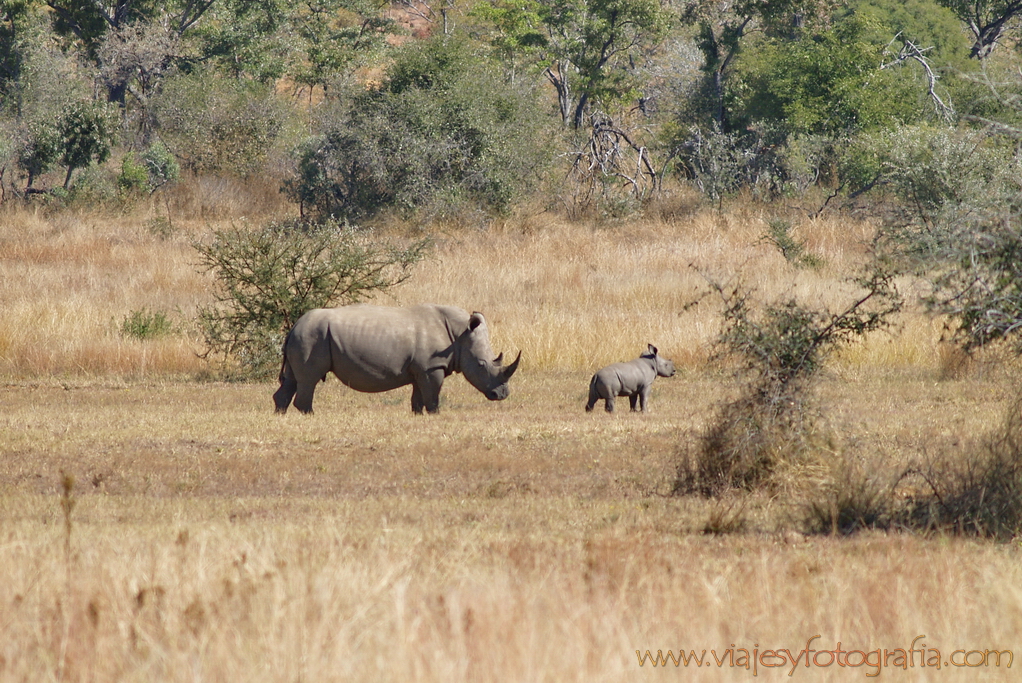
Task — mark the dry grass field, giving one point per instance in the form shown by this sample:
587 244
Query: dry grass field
202 538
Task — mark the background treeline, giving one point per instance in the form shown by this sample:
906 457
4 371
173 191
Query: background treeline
462 110
361 109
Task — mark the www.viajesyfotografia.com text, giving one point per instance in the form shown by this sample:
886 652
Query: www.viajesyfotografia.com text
874 661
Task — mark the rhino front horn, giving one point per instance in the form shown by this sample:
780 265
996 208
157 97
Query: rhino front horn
514 366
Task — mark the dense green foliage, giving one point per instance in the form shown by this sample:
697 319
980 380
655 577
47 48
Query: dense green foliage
442 131
826 82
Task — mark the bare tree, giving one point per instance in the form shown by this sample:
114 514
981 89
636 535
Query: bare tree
988 20
134 59
609 159
911 51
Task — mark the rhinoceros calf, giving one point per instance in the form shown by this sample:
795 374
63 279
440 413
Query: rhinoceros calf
377 348
632 379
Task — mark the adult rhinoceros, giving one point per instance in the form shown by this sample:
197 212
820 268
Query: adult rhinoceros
377 348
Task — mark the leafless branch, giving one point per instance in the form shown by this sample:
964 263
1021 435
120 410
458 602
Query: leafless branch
910 50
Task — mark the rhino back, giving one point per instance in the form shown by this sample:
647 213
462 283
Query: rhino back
628 376
378 348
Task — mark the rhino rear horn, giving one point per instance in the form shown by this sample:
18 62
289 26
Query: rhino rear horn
499 360
511 368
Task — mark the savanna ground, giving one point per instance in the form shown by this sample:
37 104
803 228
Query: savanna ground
204 538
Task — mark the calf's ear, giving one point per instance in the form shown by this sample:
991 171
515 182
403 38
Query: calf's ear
652 349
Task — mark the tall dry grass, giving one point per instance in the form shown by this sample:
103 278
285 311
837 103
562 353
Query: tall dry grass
570 295
402 590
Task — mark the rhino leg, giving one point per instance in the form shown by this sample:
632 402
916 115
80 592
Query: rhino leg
288 385
633 400
417 404
644 398
282 397
599 388
426 391
303 396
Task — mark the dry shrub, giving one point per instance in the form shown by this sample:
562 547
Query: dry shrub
203 197
852 498
726 517
978 492
750 439
781 347
954 362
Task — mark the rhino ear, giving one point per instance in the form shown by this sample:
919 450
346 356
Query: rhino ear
475 320
652 349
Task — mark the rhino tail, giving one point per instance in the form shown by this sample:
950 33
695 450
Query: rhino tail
283 361
594 395
286 391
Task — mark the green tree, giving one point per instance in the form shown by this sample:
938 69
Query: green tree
517 32
987 21
443 131
85 134
248 38
825 82
39 151
313 43
592 47
336 36
14 14
91 22
723 29
134 60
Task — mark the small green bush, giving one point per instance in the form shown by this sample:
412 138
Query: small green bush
133 177
147 172
144 324
793 250
160 165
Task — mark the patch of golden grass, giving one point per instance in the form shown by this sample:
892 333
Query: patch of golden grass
569 295
400 589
